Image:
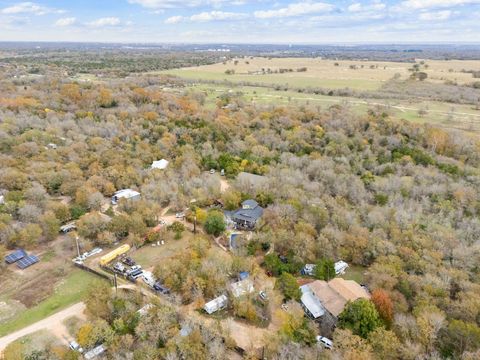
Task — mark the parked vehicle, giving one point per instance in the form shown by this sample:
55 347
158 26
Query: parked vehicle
212 171
161 289
263 295
75 346
284 307
222 173
325 342
128 261
68 227
134 275
119 267
148 278
180 215
136 267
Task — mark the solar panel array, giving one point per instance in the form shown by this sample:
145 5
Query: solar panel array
15 256
27 261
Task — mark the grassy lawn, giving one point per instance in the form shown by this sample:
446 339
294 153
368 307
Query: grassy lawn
356 273
70 291
149 256
278 79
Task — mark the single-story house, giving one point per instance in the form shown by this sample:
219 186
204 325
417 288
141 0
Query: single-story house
320 297
242 287
159 164
216 304
128 194
247 216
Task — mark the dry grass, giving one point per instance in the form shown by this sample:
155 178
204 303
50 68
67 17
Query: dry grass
359 75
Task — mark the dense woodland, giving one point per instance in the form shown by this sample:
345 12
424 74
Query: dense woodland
400 199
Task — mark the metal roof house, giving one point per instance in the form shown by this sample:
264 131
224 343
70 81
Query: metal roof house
247 216
330 296
128 194
160 164
310 303
216 304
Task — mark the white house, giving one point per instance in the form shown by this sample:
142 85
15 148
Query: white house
128 194
216 304
160 164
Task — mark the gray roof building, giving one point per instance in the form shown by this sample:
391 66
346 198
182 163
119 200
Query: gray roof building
247 216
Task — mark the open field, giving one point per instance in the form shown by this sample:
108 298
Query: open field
457 116
69 291
149 256
357 75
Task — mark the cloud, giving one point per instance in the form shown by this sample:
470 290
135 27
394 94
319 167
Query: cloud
103 22
207 16
174 20
295 9
217 15
30 8
169 4
65 21
427 4
356 7
435 16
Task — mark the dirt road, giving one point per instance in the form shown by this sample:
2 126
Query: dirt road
53 323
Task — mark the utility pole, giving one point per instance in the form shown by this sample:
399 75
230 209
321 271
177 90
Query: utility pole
78 247
115 283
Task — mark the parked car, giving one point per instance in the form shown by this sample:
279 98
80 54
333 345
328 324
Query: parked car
136 267
161 289
180 215
119 267
325 342
134 275
212 171
68 227
263 295
222 173
75 346
284 307
128 261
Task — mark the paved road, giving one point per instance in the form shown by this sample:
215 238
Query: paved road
53 323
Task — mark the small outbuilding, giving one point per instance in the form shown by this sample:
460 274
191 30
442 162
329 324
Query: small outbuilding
159 164
340 267
127 194
216 304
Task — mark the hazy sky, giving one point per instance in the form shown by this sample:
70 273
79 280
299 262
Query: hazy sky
242 21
